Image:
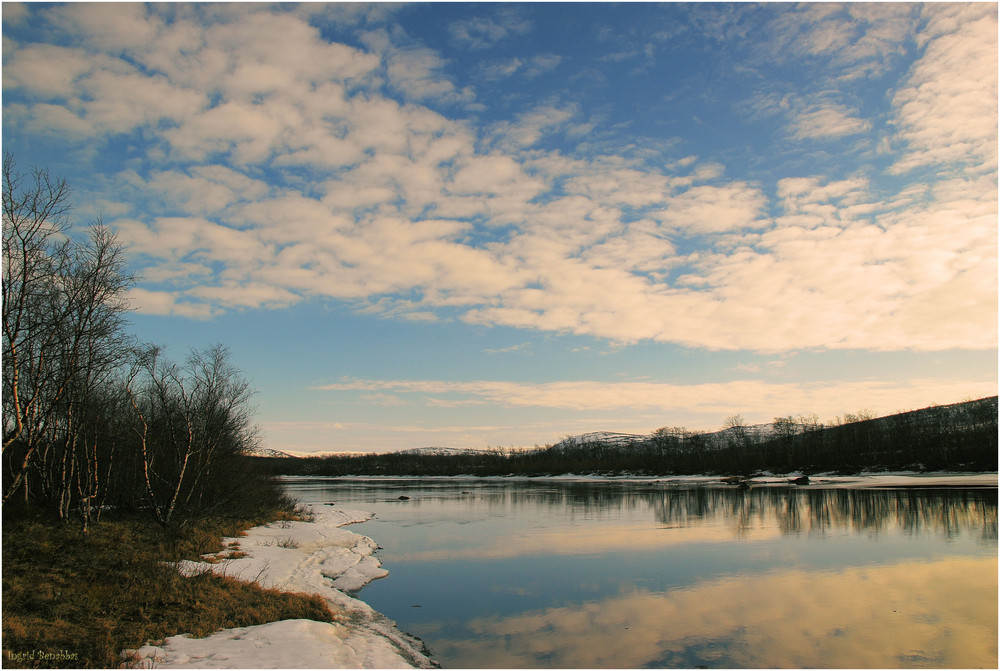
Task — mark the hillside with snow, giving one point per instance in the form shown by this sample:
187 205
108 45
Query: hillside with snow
957 437
439 451
273 454
604 438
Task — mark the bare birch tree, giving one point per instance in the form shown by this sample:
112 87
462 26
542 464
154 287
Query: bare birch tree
34 247
189 423
63 334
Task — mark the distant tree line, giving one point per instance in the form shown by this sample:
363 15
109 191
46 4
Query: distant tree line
92 419
962 436
954 437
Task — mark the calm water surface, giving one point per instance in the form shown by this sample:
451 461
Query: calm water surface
632 574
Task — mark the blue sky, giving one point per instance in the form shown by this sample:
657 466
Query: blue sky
478 225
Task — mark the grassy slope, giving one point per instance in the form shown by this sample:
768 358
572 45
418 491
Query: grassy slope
85 597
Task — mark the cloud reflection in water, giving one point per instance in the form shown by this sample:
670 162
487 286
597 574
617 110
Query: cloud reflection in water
911 614
553 574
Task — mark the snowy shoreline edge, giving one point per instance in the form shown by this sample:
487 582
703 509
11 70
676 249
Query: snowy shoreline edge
317 557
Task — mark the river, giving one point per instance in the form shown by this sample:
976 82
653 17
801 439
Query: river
590 573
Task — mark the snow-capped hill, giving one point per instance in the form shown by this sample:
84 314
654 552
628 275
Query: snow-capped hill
603 438
439 451
268 452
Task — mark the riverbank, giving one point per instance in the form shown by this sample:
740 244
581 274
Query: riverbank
316 557
859 480
321 557
76 599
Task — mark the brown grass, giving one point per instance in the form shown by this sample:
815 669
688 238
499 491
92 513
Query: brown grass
76 600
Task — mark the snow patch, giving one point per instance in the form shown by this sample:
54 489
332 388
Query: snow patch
317 557
604 438
268 452
303 644
441 451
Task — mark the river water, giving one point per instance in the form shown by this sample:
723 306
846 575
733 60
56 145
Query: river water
557 573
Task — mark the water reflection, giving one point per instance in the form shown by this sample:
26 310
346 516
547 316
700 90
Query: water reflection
907 615
627 574
912 511
792 510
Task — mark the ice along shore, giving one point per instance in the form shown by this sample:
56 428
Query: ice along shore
317 557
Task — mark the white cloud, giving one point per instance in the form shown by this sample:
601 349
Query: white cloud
14 12
111 27
207 190
249 295
542 63
45 69
482 32
946 112
48 120
533 67
523 347
292 174
816 116
531 126
715 209
164 303
846 41
827 121
756 400
415 71
501 69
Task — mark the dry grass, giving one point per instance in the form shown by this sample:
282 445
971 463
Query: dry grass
82 598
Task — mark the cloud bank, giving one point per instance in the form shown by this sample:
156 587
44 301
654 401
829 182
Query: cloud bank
270 164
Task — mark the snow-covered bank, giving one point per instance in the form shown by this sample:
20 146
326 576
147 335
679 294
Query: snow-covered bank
907 479
318 557
865 480
860 480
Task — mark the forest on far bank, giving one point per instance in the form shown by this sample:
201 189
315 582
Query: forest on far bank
957 437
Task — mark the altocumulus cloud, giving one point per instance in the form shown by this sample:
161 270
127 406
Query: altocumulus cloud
755 397
279 165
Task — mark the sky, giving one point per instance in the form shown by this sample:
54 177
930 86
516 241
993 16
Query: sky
497 225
